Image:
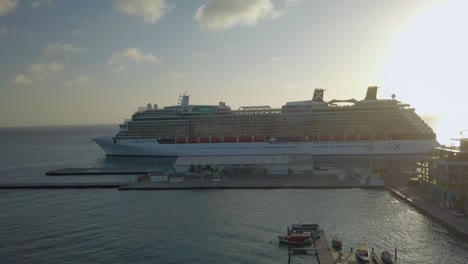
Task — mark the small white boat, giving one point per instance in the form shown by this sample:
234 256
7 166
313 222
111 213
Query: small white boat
304 227
362 252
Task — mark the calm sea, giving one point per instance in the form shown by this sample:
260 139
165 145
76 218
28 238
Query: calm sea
222 226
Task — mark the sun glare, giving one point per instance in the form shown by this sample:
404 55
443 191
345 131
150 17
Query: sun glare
427 67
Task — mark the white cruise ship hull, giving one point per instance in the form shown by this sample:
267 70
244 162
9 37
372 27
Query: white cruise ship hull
149 147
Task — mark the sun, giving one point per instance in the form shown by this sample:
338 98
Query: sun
427 66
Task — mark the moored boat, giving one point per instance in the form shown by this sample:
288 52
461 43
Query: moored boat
302 238
304 227
386 257
362 252
336 243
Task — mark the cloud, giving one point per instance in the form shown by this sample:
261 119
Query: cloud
3 32
198 54
274 59
63 48
177 75
46 68
222 14
76 32
40 71
150 10
81 79
131 54
22 79
7 6
40 3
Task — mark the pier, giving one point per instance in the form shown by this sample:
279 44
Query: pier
59 185
95 171
324 253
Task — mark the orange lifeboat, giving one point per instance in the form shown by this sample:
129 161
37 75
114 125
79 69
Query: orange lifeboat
230 139
215 140
245 139
193 140
325 138
204 140
366 137
352 137
259 138
181 140
338 137
380 137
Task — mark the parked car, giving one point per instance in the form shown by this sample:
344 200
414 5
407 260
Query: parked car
457 213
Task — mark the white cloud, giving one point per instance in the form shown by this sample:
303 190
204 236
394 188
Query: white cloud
46 68
274 59
7 6
39 3
198 54
131 54
222 14
292 2
150 10
81 79
63 48
22 79
177 75
3 32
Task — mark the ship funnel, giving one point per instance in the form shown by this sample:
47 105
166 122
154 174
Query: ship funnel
318 95
371 93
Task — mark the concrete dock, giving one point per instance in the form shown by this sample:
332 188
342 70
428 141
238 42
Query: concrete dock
59 185
95 171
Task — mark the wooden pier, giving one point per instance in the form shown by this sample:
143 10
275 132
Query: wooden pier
324 253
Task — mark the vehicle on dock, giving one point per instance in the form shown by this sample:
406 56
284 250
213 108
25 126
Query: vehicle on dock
336 243
386 257
362 252
296 238
304 227
457 213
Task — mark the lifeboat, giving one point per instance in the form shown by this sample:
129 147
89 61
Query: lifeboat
325 138
245 139
313 137
380 137
181 140
193 140
338 137
366 137
204 140
230 139
215 140
352 137
259 138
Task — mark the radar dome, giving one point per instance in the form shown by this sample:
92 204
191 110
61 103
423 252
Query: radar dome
393 96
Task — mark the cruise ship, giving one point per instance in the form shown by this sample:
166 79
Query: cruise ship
313 127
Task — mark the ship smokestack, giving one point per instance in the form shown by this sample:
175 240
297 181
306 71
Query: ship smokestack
318 95
371 93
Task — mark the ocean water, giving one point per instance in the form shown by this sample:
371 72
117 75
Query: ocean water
216 226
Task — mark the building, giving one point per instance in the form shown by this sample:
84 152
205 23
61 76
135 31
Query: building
444 176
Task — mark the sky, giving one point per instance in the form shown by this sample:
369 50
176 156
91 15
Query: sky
95 62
